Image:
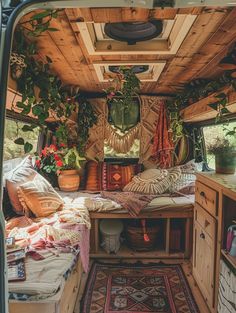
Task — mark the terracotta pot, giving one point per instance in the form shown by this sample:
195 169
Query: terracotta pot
225 163
69 180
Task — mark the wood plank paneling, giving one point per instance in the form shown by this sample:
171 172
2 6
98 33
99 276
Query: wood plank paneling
208 40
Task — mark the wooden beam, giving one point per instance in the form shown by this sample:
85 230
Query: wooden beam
201 111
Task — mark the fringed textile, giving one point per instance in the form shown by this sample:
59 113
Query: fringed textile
163 145
121 143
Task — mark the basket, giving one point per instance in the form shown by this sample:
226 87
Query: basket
136 234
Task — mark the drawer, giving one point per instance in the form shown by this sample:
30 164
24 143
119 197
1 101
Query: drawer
205 220
207 198
70 291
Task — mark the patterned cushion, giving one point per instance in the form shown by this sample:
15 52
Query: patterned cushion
39 197
22 173
107 176
115 177
186 182
153 181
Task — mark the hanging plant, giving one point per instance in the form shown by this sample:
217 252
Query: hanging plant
86 119
41 91
195 91
40 22
123 104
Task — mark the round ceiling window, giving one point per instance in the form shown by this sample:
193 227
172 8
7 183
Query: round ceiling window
134 32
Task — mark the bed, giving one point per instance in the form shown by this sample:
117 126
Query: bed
165 207
57 254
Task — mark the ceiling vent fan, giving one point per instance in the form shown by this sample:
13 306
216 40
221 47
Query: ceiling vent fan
136 69
132 32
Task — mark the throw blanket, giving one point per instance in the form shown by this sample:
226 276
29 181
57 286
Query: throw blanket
131 201
65 231
163 145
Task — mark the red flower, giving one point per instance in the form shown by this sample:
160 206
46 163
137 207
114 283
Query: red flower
44 151
56 157
53 147
62 145
38 163
59 163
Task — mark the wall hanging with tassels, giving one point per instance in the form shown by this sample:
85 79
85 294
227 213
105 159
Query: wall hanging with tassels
121 143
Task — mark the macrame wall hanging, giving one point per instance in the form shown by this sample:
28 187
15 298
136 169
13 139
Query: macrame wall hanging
121 143
144 130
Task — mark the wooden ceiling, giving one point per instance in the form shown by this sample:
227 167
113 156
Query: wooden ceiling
213 32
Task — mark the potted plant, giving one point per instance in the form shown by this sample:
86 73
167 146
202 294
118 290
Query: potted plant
225 155
68 176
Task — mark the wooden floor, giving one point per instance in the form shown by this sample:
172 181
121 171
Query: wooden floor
186 266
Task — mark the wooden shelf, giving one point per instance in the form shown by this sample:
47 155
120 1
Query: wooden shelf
231 259
126 252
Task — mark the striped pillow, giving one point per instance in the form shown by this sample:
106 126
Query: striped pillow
39 197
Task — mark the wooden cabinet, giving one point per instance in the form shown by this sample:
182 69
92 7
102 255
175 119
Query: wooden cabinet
207 198
214 211
204 254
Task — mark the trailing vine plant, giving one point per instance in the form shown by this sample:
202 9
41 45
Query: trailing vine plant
42 92
122 99
195 91
86 119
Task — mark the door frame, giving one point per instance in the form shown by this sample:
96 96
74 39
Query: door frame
7 28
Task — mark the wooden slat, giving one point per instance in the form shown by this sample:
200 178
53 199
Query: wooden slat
201 110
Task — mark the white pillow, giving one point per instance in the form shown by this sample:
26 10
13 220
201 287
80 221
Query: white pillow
153 181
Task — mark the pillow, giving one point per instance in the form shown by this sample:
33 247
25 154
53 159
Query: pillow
116 177
22 173
186 182
93 179
39 197
153 181
108 176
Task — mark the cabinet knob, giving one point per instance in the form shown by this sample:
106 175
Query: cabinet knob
202 235
202 194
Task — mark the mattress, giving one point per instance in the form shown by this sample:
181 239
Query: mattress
43 277
94 203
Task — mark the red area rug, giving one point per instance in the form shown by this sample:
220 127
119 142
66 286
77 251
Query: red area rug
136 288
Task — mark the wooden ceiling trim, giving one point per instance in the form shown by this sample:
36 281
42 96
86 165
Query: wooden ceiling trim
106 15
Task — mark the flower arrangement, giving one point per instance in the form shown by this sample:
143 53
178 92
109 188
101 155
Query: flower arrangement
53 159
221 146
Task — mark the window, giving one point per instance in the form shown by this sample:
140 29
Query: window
13 131
211 133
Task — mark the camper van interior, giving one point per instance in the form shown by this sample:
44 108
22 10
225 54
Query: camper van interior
119 184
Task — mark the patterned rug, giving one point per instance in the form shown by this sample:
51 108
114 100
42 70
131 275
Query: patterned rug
136 288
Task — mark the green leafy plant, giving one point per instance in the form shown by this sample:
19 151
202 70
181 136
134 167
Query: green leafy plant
71 159
122 99
221 146
42 92
193 92
40 22
86 119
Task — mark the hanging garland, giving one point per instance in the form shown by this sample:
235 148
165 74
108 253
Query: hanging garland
121 143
